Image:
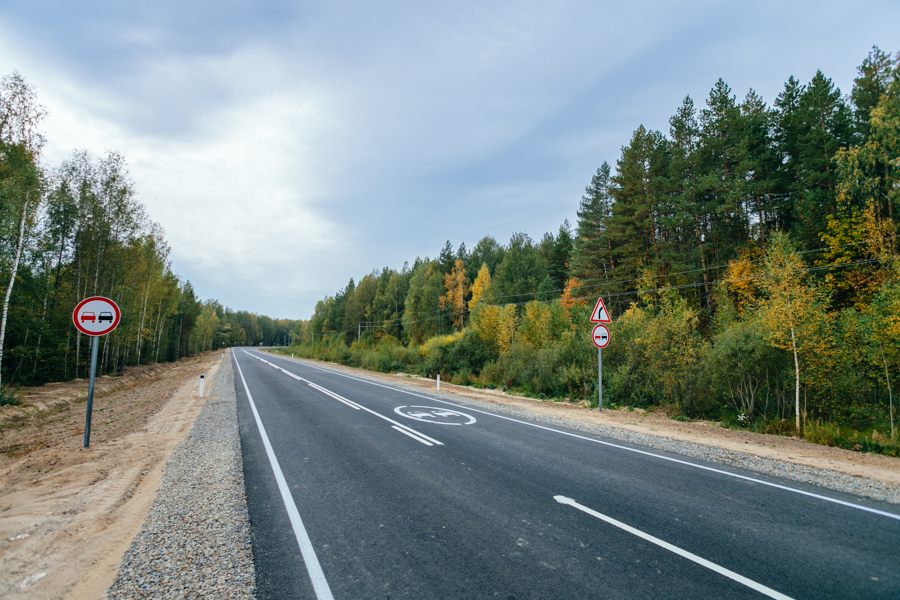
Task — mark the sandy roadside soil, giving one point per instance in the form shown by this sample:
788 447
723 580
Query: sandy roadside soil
68 514
880 468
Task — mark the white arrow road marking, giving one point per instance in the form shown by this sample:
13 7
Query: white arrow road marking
320 584
684 553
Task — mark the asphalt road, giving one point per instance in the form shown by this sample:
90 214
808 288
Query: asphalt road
377 492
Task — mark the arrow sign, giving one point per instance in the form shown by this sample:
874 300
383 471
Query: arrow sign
600 336
600 314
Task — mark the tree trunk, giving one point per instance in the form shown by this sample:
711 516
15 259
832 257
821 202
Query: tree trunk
797 374
12 280
887 378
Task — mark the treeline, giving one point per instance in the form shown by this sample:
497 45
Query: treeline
748 257
78 230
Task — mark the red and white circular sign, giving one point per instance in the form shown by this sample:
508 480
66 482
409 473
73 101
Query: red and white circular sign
600 336
96 316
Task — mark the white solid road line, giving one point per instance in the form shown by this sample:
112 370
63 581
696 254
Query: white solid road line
415 437
785 488
320 584
352 405
684 553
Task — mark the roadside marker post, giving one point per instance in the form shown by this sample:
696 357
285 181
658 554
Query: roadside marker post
600 337
94 316
201 386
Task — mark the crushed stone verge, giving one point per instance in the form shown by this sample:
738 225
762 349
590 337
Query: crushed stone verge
195 542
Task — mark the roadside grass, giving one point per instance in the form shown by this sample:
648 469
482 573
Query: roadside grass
8 398
873 440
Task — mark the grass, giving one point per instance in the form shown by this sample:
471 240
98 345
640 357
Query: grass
874 441
8 398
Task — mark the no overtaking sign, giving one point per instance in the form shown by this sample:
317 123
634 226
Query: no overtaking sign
94 316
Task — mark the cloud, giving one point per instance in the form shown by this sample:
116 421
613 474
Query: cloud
286 147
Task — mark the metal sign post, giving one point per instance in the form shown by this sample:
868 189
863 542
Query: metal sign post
600 337
90 400
94 316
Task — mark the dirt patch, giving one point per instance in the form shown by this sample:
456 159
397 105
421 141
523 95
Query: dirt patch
874 466
67 514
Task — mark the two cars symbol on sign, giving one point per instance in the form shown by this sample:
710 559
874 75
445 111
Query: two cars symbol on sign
600 336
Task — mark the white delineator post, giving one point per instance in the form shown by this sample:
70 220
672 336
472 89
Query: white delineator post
201 386
439 382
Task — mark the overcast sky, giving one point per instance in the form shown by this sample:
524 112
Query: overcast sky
319 140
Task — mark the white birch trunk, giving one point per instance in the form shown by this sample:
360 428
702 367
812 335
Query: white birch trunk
12 280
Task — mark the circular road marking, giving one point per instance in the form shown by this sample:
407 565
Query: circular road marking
433 414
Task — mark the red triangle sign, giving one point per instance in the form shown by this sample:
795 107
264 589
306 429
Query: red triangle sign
600 314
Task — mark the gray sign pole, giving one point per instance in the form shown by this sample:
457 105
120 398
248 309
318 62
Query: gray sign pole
600 378
90 402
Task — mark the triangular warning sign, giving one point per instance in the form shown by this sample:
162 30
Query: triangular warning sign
600 314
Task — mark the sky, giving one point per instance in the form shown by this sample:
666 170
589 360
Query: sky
286 147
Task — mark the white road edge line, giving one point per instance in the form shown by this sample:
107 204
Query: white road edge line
319 583
785 488
684 553
415 437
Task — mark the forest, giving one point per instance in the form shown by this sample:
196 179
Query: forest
77 230
748 257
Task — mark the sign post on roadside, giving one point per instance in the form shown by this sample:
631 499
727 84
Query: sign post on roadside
94 316
600 337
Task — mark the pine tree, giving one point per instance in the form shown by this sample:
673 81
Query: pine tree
521 271
447 259
592 254
868 88
787 129
723 155
825 127
637 228
560 255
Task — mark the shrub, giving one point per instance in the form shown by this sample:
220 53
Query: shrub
8 398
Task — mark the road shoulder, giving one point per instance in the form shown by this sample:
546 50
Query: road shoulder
68 514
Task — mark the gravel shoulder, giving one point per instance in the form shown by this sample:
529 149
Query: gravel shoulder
869 475
68 514
195 542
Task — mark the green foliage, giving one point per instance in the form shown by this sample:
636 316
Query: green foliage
748 257
8 398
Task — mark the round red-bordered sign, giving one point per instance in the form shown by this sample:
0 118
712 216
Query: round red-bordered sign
600 336
96 316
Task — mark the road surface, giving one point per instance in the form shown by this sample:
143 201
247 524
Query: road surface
359 490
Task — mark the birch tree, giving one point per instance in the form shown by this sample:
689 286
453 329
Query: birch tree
793 309
21 141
